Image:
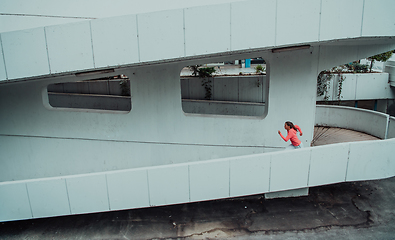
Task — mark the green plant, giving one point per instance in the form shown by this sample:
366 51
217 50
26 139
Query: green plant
206 83
125 87
323 81
340 86
356 67
259 69
324 78
206 72
194 69
379 57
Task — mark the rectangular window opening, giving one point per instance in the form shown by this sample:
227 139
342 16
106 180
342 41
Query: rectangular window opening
238 88
109 93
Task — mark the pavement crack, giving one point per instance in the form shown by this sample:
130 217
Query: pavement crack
369 217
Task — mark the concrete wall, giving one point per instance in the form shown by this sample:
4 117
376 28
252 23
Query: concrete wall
198 181
155 132
371 122
360 87
87 45
233 89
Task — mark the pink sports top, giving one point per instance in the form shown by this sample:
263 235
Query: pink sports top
292 136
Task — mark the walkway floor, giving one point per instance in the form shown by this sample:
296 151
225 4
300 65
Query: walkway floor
354 210
330 135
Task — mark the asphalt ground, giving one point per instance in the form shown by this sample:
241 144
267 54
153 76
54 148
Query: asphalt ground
354 210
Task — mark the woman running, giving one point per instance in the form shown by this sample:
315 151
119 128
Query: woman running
292 135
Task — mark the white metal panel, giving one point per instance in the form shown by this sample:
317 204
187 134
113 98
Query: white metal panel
48 198
25 53
115 41
378 18
332 56
349 87
340 19
69 47
196 90
128 189
207 29
14 202
253 24
84 9
252 89
297 21
168 185
373 86
161 35
3 73
324 170
289 169
88 193
226 89
249 175
371 160
209 180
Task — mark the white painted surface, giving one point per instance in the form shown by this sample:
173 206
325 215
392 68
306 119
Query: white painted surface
208 34
115 41
168 185
128 189
297 21
3 73
371 160
15 202
69 47
261 15
371 122
288 172
25 53
332 19
65 12
324 171
289 169
249 175
88 194
209 180
375 18
158 41
55 200
363 86
391 128
156 132
183 33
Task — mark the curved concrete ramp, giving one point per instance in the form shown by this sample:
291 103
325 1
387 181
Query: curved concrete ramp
330 135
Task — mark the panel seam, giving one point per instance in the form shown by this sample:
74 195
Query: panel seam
183 23
230 27
93 52
319 22
275 25
108 193
68 197
348 160
363 13
149 194
2 51
28 198
138 37
46 46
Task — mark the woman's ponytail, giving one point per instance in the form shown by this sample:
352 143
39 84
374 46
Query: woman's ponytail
291 125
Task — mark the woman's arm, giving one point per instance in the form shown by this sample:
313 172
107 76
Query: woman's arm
300 130
284 138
